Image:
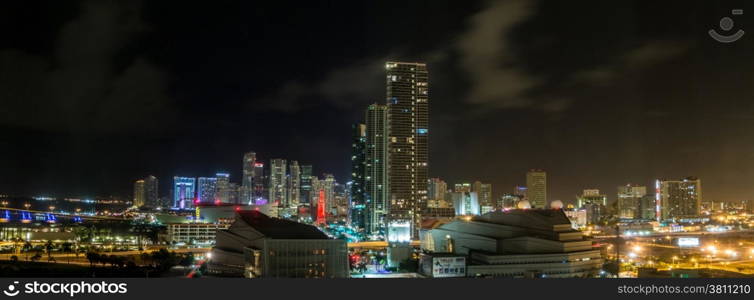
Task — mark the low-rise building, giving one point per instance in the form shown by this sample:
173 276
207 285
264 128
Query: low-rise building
517 243
257 245
193 233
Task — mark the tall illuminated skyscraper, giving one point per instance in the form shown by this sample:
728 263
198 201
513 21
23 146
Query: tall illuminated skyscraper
278 182
259 193
183 192
484 192
139 193
151 194
294 185
306 185
223 188
629 201
376 184
536 188
407 100
247 181
206 190
678 198
358 163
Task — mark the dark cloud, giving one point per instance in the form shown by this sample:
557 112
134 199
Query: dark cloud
88 83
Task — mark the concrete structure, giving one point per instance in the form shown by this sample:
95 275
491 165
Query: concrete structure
407 99
193 233
536 188
517 243
256 245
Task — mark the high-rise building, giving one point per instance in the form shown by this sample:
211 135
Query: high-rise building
520 191
648 207
436 190
484 192
206 190
465 203
152 196
464 187
591 196
294 185
306 185
536 188
376 184
234 193
328 185
139 193
407 100
223 188
629 201
679 198
259 195
278 182
358 173
183 192
247 181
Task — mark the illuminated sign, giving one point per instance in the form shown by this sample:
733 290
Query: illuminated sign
688 242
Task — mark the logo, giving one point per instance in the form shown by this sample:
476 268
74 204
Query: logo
726 24
66 288
12 290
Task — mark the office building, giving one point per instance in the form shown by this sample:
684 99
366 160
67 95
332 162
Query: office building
258 246
464 187
259 193
223 188
484 192
247 180
407 100
306 184
151 192
629 201
679 198
207 190
376 184
139 193
536 188
533 243
294 185
436 190
184 192
278 182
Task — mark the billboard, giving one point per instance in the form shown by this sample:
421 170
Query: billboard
688 242
454 266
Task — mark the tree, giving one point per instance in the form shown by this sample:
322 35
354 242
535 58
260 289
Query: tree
93 258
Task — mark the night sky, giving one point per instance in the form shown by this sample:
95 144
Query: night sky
97 94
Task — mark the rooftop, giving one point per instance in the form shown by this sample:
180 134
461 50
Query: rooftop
275 228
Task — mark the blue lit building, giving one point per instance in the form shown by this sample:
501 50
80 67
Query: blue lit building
184 189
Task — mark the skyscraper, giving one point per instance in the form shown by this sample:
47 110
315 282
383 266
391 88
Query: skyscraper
278 182
407 100
629 201
183 192
376 184
678 198
484 192
294 185
206 190
536 188
259 195
358 173
152 196
139 193
247 182
436 189
306 185
223 188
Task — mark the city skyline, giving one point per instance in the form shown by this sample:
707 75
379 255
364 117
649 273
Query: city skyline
208 113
